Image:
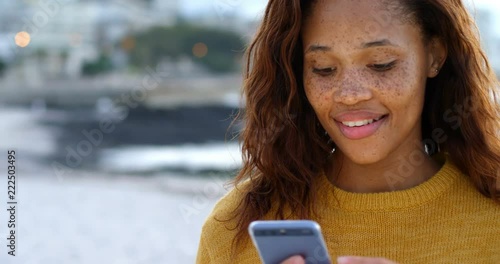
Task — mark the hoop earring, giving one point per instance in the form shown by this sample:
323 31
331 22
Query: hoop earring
329 142
333 150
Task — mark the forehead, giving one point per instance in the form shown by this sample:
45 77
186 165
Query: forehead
355 21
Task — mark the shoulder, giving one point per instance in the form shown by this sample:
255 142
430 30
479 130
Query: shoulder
476 219
219 228
225 207
467 198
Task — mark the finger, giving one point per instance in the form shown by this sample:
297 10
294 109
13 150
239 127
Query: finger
363 260
294 260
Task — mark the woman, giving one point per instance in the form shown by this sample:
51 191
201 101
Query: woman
378 120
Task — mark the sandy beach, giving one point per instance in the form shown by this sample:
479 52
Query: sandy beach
94 219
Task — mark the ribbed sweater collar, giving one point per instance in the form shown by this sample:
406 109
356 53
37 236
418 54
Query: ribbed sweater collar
421 194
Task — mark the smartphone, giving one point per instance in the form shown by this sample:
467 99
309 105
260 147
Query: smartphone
278 240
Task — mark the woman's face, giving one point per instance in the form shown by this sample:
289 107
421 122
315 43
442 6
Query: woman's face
365 70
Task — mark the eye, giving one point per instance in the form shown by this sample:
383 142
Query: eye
324 71
382 67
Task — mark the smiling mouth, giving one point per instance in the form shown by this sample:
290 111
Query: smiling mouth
361 123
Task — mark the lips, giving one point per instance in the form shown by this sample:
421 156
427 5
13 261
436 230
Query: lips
359 124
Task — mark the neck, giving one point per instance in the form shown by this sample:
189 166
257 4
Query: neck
396 172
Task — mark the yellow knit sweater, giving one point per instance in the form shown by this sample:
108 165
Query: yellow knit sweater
443 220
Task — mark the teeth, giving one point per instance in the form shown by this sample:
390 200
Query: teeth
361 122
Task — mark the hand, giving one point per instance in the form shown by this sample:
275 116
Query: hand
294 260
362 260
343 260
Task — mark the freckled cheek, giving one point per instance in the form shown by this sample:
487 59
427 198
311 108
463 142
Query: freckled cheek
318 93
400 86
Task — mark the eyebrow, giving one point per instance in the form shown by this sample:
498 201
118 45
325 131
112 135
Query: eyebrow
378 43
366 45
316 48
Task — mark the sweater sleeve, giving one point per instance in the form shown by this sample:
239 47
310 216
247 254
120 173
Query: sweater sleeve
216 238
219 231
203 257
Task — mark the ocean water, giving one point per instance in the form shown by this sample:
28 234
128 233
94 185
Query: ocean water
190 139
188 157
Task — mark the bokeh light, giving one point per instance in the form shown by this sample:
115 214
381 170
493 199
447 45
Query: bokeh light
128 43
22 39
200 50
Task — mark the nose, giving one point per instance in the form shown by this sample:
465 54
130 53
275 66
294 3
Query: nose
352 89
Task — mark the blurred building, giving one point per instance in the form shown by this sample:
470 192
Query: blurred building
66 33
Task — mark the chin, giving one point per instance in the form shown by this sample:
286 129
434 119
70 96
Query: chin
363 157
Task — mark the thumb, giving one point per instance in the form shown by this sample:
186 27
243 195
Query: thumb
294 260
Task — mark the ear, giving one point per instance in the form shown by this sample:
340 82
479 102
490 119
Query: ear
437 56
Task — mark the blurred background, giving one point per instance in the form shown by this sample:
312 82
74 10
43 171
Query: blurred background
120 114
